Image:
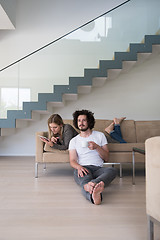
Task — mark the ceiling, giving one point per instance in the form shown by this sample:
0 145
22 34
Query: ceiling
5 22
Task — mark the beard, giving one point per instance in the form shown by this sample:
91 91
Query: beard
83 129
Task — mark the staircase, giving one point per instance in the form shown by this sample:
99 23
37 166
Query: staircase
108 69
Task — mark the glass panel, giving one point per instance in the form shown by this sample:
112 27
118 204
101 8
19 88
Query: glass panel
13 98
8 80
81 49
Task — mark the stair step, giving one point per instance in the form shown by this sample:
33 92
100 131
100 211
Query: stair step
49 97
140 48
142 57
110 64
125 56
79 81
84 89
127 66
155 50
64 89
113 73
71 97
152 39
98 81
55 104
22 123
7 131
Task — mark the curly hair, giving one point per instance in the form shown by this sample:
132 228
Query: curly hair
90 118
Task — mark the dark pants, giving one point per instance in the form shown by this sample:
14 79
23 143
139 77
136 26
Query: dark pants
116 134
95 175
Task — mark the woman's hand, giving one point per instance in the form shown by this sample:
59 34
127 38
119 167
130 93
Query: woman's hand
54 139
47 141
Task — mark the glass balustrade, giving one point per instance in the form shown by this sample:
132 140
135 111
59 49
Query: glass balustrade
83 48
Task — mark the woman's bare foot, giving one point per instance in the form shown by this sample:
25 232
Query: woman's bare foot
96 195
118 120
109 128
89 187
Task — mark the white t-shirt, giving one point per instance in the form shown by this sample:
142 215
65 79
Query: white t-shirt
85 155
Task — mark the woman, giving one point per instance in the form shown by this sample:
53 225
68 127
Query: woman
60 134
114 130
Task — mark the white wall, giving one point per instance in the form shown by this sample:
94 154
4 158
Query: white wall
134 94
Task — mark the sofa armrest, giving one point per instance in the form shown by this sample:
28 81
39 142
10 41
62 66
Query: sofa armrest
40 146
152 146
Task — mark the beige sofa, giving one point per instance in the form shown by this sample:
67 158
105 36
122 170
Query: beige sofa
152 147
134 132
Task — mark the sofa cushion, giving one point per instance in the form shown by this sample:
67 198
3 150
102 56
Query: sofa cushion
124 147
125 157
56 156
101 124
147 129
128 131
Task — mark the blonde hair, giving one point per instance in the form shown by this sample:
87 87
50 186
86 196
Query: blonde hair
54 118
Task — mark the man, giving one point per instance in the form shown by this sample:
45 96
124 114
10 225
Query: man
87 152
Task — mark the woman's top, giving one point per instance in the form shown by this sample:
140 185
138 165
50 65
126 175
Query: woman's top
67 134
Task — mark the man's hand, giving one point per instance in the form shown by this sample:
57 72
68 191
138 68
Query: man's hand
82 171
92 145
103 151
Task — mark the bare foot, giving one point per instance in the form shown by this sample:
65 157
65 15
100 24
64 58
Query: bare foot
89 187
96 195
118 120
109 128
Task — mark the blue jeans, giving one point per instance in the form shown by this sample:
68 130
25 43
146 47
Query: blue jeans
116 134
96 175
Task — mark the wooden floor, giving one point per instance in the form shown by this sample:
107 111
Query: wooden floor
52 207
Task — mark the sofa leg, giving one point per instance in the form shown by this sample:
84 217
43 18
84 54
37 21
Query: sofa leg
36 170
44 166
150 229
133 167
120 170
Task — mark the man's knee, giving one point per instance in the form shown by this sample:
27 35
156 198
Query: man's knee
113 171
